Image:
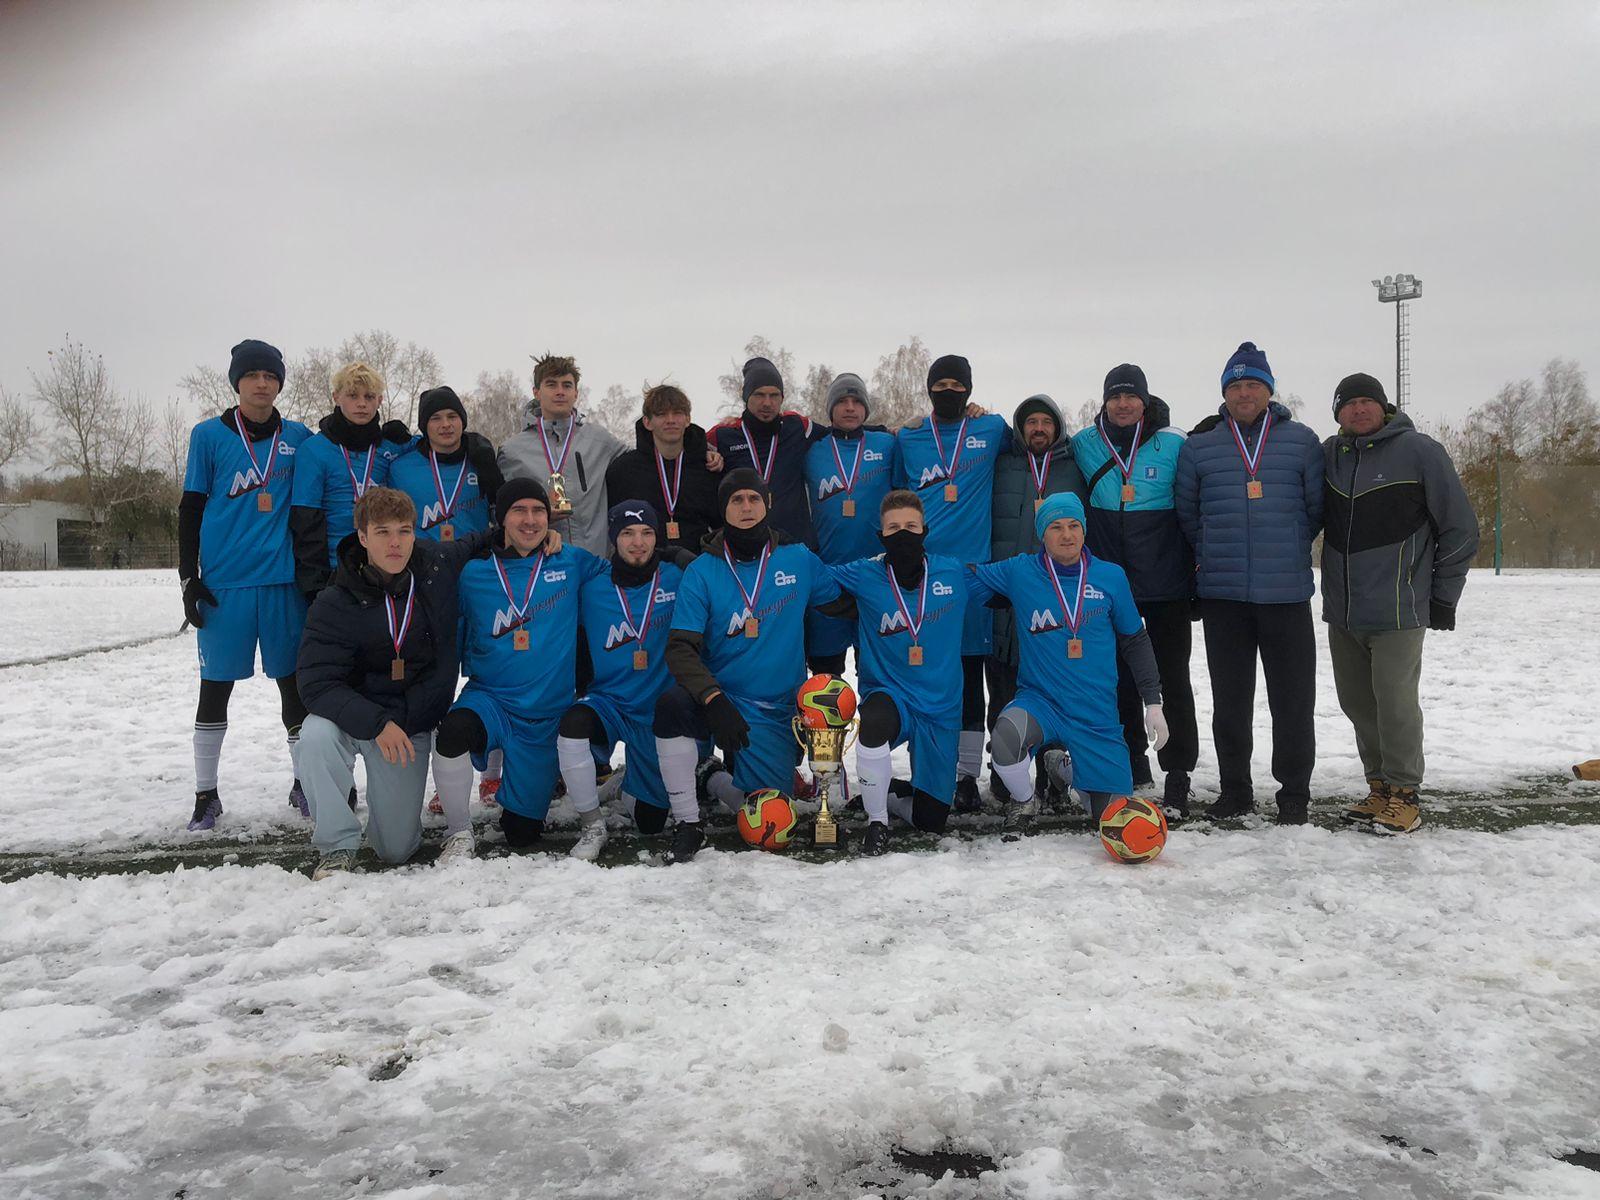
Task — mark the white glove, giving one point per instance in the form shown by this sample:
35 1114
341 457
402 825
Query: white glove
1155 723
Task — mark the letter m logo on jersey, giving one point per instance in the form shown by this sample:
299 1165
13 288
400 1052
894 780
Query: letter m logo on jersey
1042 622
618 635
244 481
431 514
830 486
736 626
930 475
504 622
891 622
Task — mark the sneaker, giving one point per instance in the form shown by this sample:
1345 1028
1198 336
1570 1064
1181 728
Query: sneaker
876 841
967 798
1019 819
1228 807
1056 765
687 838
299 801
1368 809
436 805
488 791
207 808
1400 814
1175 798
593 838
1292 812
457 847
335 862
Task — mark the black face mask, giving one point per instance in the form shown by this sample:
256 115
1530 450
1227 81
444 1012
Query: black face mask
948 406
747 543
903 550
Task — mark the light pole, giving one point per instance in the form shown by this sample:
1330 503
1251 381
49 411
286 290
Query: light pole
1396 290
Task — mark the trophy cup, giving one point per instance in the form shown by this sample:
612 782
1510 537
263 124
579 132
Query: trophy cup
560 506
825 727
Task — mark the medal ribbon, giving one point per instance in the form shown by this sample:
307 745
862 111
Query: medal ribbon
1074 615
395 622
360 485
1251 461
438 484
272 455
670 495
566 446
961 440
1133 453
750 598
1040 470
772 453
854 472
643 627
533 582
922 599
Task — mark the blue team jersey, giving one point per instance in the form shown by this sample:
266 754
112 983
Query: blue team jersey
884 635
1086 685
614 639
323 479
768 668
539 681
412 473
240 544
961 527
842 539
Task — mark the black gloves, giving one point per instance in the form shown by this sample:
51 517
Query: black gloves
1441 615
396 431
194 591
729 729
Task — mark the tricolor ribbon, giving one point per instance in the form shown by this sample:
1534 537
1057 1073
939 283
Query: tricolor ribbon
438 484
1125 466
755 461
961 440
1251 461
360 485
527 598
750 598
643 627
854 472
272 455
1072 615
922 600
400 626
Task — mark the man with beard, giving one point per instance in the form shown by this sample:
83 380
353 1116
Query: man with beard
668 468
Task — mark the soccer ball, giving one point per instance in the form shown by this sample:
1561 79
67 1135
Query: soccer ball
767 820
1132 829
826 702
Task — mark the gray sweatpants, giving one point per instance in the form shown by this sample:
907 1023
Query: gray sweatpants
1376 674
394 793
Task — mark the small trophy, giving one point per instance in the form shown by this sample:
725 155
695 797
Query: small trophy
560 506
825 727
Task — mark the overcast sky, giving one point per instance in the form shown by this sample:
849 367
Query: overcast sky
1049 189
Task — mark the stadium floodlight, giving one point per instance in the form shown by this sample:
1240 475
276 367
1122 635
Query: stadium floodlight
1396 290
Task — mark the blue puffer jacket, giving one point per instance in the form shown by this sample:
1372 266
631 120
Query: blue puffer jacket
1258 551
1139 535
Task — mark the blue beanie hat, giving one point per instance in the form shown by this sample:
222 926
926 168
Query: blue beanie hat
631 512
251 355
1062 504
1248 363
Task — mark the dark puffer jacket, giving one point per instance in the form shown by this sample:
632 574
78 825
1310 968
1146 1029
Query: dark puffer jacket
1257 551
632 476
345 654
1400 530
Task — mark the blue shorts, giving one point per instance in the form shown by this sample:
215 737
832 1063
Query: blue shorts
772 755
827 636
643 778
271 615
528 780
1099 755
933 748
977 629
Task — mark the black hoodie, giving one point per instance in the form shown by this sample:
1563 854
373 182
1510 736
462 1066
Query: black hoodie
632 475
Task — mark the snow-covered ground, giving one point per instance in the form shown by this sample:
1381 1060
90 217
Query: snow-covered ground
1251 1015
50 613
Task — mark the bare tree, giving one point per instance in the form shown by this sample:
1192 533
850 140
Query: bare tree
616 411
1565 420
407 370
307 394
497 406
172 440
1088 413
900 384
100 435
18 429
813 398
209 390
732 384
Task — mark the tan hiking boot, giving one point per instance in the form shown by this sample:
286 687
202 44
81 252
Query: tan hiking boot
1363 813
1400 814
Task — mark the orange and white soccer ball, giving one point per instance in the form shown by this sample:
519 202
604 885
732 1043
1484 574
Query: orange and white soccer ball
767 820
826 702
1132 829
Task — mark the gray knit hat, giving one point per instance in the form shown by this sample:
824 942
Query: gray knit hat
847 385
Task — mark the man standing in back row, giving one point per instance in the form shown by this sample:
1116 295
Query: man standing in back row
1249 499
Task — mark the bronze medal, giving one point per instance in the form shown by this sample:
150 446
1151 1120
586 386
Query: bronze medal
914 656
849 508
641 659
397 669
519 639
447 533
949 493
752 627
672 531
263 501
1127 493
1074 647
1253 489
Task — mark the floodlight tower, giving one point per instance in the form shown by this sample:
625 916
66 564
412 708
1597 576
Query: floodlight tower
1396 290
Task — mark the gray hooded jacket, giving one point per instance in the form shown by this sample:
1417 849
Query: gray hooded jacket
584 472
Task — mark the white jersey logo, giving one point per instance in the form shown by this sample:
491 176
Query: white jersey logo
736 625
891 622
504 622
432 514
930 475
784 578
976 443
285 448
872 456
555 576
244 481
943 589
831 486
1090 592
1043 622
619 634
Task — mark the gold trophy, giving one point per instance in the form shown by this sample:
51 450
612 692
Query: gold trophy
825 727
560 506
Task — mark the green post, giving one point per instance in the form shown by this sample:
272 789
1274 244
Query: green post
1499 544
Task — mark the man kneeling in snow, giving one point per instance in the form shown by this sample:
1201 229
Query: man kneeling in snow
377 671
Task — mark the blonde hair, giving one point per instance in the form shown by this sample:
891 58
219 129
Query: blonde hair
383 504
359 376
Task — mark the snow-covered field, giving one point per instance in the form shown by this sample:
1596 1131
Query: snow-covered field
1251 1015
50 613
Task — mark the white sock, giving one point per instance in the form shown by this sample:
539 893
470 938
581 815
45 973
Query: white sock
453 778
294 751
1018 778
577 768
721 787
901 806
494 764
208 737
874 769
678 757
969 755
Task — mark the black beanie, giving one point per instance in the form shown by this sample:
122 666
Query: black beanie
737 480
1358 387
631 512
437 400
760 373
251 355
950 366
522 488
1126 378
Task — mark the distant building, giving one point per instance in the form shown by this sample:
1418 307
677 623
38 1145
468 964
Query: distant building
33 532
